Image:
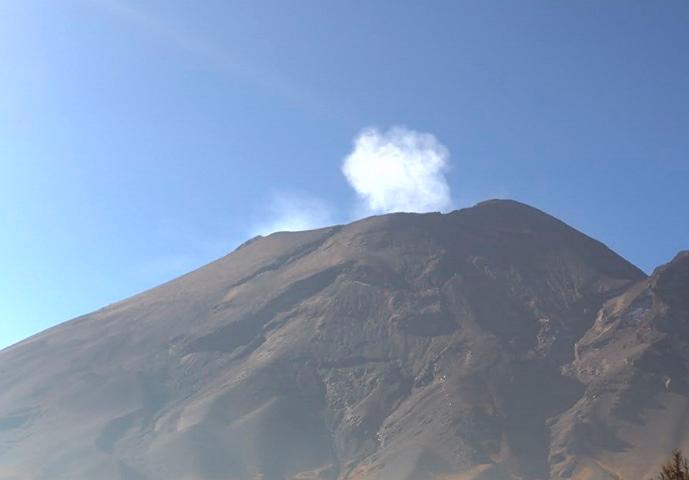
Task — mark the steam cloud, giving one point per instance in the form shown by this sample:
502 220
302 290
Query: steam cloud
399 170
289 212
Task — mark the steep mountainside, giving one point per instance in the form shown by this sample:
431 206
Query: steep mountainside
492 342
634 362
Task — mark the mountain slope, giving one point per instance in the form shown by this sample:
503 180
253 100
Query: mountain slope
634 362
404 346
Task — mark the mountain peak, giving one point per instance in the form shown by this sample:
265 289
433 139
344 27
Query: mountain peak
401 346
682 257
671 281
503 202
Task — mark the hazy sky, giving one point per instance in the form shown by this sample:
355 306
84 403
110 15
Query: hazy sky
141 139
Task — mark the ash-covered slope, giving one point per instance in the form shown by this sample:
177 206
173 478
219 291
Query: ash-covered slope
635 364
404 346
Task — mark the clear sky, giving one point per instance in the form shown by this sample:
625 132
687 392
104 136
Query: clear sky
141 139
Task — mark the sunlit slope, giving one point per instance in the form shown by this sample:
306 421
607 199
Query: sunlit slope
405 346
634 363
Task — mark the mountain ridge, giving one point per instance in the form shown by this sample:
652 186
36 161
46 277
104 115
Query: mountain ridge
401 346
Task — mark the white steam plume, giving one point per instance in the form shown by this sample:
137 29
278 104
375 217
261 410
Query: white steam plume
399 170
290 212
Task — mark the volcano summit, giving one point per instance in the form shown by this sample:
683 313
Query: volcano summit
493 342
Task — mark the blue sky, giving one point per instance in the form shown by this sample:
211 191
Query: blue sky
141 139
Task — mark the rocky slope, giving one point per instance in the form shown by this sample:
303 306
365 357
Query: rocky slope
634 362
492 342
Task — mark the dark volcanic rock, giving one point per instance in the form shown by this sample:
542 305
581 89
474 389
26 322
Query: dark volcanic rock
635 364
404 346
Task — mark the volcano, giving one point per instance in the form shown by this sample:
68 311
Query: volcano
493 342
